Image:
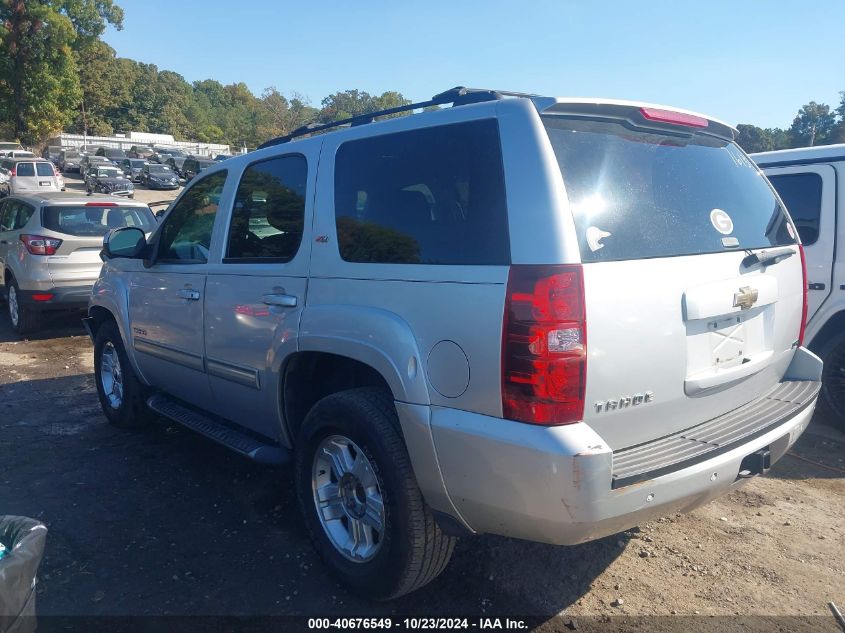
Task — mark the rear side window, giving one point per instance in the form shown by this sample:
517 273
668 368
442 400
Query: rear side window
186 234
95 221
637 193
44 169
429 196
25 169
269 213
802 195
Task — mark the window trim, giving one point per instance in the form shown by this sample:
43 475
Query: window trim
160 230
266 260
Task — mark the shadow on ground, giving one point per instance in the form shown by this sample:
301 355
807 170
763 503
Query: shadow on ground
162 521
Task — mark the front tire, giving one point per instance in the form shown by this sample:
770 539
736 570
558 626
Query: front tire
832 400
359 498
24 317
120 392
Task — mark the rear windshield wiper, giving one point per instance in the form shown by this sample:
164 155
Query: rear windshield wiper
767 258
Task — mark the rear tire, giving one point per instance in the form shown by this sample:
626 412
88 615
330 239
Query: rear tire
832 400
25 318
121 394
409 550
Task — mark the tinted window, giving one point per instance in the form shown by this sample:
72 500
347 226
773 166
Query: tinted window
25 169
95 221
269 212
186 234
24 212
44 169
802 195
6 216
638 193
430 196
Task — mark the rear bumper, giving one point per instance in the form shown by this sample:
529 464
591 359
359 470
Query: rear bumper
556 484
61 297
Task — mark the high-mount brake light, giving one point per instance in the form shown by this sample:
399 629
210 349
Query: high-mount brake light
544 344
40 245
675 118
100 204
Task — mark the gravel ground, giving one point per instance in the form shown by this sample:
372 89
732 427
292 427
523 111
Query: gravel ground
162 521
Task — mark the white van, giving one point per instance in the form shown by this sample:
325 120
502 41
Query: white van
23 175
811 182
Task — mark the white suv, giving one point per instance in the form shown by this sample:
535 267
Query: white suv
544 318
811 182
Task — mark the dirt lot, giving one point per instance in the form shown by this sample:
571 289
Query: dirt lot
162 521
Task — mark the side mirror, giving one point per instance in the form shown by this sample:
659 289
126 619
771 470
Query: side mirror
128 242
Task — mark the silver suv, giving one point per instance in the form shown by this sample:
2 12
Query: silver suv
543 318
50 249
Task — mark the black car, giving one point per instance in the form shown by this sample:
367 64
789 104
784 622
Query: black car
132 168
155 176
69 160
108 179
193 166
140 151
112 153
52 153
175 163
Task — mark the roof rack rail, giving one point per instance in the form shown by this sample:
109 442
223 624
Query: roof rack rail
456 96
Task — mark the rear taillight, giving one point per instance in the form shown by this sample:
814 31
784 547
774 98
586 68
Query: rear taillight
544 344
803 328
40 245
13 172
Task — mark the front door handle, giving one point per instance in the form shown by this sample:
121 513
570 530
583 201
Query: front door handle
281 300
189 294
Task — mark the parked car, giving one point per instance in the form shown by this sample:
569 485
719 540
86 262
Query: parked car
113 154
132 168
194 165
52 153
108 179
88 161
69 160
49 249
140 151
6 146
550 319
175 163
807 181
220 157
155 176
24 175
19 153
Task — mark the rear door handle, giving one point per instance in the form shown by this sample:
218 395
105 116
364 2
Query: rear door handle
281 300
189 294
816 286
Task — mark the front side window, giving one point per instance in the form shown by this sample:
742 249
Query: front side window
186 234
802 194
269 213
429 196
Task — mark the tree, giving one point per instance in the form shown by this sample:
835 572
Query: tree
38 82
813 125
754 139
350 103
285 115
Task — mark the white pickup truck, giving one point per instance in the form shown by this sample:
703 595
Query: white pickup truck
811 182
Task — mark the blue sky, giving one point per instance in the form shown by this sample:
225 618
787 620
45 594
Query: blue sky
744 61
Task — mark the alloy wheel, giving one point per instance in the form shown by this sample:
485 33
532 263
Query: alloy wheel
111 376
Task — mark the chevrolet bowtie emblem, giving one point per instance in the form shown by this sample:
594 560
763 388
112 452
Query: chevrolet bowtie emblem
745 298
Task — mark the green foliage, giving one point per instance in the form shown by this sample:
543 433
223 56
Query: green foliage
813 125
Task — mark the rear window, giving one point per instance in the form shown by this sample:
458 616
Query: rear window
25 169
429 196
45 169
95 221
637 193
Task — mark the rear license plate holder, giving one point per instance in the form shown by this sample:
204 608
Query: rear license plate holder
43 183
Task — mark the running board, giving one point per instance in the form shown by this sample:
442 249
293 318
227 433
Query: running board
242 443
